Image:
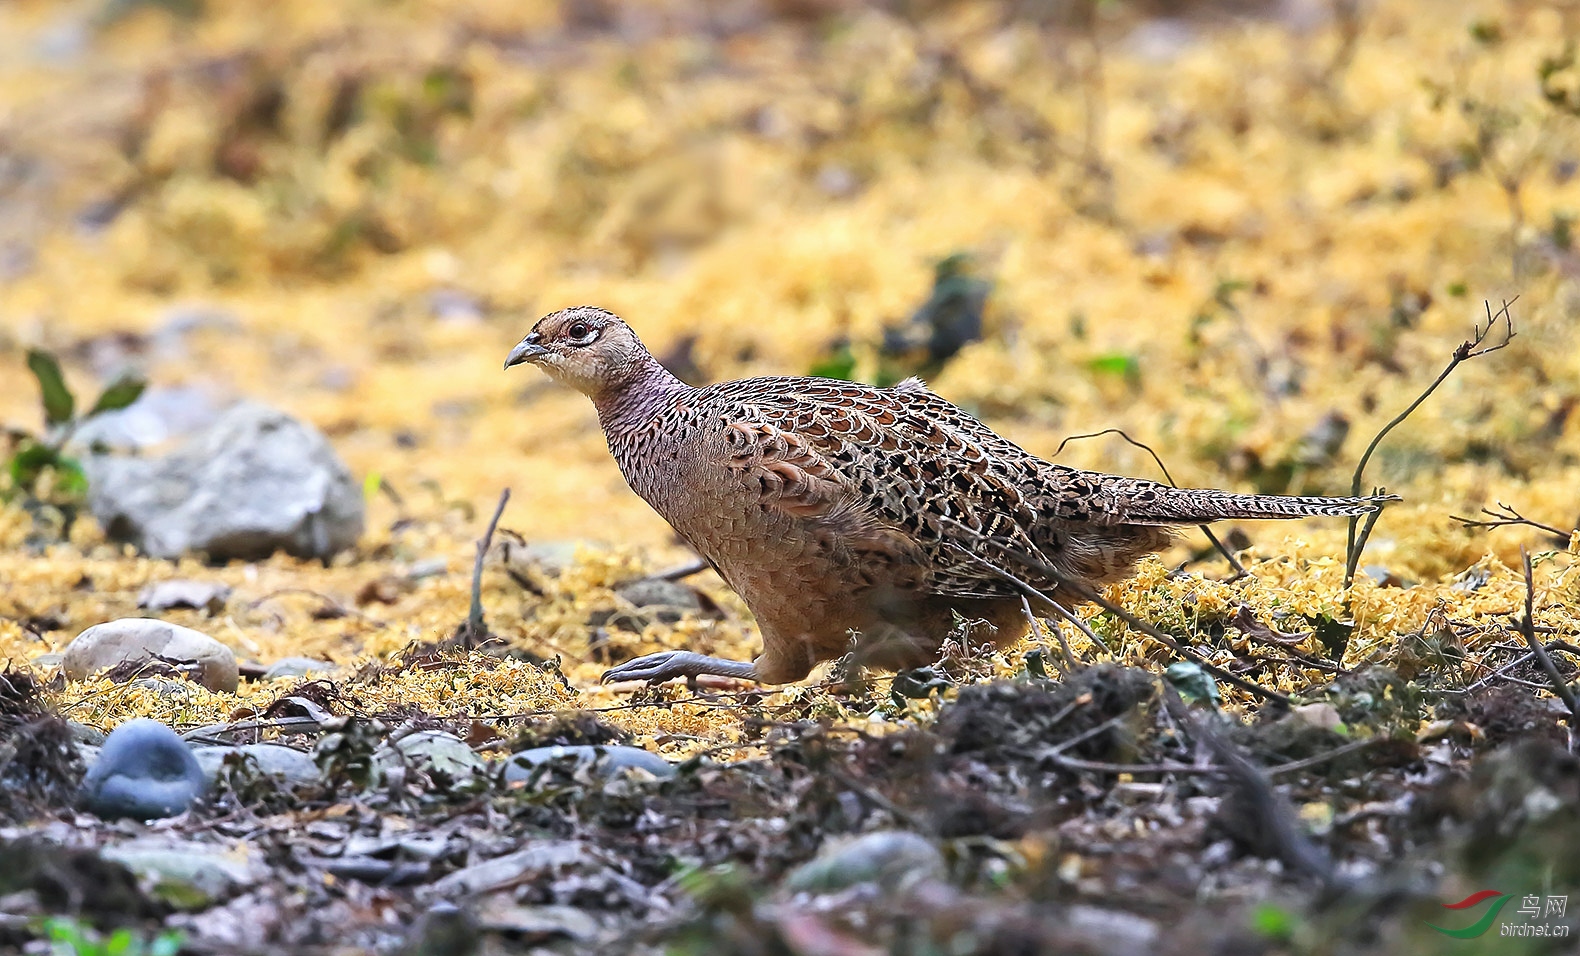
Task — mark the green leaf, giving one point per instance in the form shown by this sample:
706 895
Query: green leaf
58 403
1487 32
64 930
121 393
1193 683
840 364
1118 365
69 476
1271 921
1035 667
722 886
30 459
33 457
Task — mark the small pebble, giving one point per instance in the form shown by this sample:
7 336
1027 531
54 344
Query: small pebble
287 667
207 596
888 858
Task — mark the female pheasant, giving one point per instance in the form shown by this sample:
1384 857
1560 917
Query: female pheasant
834 508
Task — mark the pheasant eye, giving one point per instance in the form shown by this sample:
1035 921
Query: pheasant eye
579 332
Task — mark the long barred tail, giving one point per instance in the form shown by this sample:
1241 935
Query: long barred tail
1200 506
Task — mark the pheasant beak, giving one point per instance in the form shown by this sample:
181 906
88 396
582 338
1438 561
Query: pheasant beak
528 350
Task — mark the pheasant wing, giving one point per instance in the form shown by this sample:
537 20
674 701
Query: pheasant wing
901 471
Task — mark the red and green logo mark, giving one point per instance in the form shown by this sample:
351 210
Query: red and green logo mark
1480 926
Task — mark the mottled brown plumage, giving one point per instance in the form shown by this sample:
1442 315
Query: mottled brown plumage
833 507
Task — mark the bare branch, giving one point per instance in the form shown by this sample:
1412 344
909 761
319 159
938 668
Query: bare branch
1167 766
683 571
1272 814
1475 347
1122 434
1528 629
1086 593
475 629
1030 591
1070 663
1506 516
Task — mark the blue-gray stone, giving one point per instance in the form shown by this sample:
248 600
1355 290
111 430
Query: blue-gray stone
145 771
610 760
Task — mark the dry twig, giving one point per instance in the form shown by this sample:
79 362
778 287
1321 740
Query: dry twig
1467 350
1528 629
475 630
1086 593
1506 516
1274 818
1070 663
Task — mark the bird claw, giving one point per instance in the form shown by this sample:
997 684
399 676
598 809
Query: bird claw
666 665
653 668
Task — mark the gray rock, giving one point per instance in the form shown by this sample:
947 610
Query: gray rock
889 858
16 260
198 595
256 482
444 930
1161 40
84 734
144 771
291 767
455 307
1386 578
159 416
64 40
652 599
609 760
498 913
837 181
546 557
1113 932
427 568
513 869
659 593
436 753
188 876
135 638
287 667
217 735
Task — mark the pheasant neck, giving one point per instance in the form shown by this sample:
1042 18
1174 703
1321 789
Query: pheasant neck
639 397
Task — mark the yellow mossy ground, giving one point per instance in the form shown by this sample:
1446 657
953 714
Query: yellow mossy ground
1279 233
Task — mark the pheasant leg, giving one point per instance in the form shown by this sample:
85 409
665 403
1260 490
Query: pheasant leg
665 665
